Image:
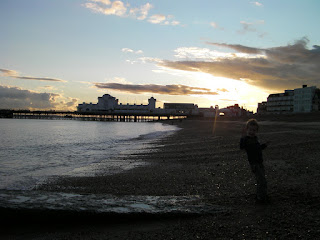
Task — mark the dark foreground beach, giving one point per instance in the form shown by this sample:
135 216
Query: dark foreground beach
211 168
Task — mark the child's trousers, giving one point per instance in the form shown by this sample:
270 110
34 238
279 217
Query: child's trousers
258 170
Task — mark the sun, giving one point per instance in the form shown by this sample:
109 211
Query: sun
231 91
225 87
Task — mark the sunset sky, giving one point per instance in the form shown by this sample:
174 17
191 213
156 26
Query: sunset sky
55 54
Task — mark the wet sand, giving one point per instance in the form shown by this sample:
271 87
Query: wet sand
197 162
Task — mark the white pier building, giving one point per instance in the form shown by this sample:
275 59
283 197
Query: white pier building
109 103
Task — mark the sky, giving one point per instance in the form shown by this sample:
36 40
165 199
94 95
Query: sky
55 54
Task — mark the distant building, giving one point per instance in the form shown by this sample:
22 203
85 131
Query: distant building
280 102
235 111
109 103
299 100
262 108
209 112
186 108
304 99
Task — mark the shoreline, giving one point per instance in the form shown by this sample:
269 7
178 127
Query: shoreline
194 162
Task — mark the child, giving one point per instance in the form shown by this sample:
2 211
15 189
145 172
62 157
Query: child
250 143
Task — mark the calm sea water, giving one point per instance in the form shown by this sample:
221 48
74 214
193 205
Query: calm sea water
33 151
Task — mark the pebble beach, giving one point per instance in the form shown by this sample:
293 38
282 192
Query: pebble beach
203 161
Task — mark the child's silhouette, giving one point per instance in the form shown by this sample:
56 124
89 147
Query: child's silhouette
249 142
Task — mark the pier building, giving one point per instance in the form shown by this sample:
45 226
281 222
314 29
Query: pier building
110 103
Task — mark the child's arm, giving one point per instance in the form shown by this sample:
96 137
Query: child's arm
264 145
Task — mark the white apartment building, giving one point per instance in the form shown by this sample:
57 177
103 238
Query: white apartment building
299 100
303 99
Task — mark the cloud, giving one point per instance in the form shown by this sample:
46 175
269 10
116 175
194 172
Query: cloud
277 68
41 79
17 98
162 19
9 73
107 7
173 23
159 89
131 51
47 88
117 8
204 54
70 103
222 90
106 2
120 9
15 74
238 47
258 4
249 26
120 80
216 26
150 60
142 12
157 19
128 50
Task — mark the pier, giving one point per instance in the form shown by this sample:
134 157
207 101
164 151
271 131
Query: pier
128 116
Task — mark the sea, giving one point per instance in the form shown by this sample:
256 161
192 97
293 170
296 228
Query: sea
33 151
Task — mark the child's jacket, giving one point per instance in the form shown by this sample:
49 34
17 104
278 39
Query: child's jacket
253 149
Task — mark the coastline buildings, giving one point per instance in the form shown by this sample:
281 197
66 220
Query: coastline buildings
110 104
299 100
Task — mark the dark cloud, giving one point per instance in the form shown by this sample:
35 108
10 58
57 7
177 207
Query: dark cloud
14 74
9 73
160 89
238 48
272 68
42 79
17 98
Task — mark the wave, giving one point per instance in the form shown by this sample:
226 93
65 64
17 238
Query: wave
154 135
